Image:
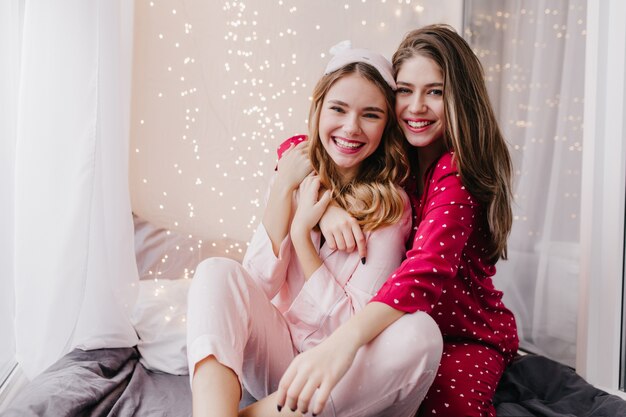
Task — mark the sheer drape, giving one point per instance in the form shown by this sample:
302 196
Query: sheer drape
533 53
10 40
74 261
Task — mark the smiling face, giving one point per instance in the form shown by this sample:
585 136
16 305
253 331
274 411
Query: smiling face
351 122
419 103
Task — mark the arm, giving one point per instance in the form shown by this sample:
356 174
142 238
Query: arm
324 299
446 224
268 255
342 284
293 167
321 367
450 216
268 262
341 231
307 215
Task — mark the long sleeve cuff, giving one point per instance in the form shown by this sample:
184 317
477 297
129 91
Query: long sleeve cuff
269 270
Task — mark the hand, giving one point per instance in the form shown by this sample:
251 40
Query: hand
310 206
294 166
342 231
318 369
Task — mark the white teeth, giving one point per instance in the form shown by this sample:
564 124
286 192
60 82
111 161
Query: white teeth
345 144
418 125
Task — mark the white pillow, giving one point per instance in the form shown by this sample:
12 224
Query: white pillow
160 320
165 254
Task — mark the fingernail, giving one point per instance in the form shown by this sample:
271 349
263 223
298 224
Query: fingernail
294 410
280 407
363 260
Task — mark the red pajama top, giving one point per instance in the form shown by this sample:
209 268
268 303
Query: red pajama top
447 272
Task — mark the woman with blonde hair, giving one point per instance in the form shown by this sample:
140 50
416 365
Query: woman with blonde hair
293 294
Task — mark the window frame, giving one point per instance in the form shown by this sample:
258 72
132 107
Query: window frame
603 193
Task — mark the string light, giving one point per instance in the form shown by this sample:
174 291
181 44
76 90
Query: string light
215 101
260 91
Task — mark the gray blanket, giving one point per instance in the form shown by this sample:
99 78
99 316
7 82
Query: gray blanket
99 383
536 386
112 382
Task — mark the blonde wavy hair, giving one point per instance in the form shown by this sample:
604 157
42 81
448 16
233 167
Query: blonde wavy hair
471 129
372 197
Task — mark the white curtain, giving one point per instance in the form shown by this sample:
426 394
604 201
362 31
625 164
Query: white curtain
10 40
533 53
75 274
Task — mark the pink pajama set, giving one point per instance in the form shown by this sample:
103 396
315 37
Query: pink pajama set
256 317
447 274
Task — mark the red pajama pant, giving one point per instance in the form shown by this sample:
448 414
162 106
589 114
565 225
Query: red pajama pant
465 383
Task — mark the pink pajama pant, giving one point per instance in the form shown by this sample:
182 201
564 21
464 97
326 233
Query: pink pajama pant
230 317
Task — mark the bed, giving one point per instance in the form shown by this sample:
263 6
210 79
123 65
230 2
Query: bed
113 382
151 379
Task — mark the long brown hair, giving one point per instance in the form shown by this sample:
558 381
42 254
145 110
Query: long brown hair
471 129
372 197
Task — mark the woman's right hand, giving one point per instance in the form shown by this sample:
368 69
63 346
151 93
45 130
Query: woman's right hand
342 231
294 166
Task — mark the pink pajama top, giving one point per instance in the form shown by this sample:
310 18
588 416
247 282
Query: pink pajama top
447 272
339 288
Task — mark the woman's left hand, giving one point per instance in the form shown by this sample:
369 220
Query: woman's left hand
316 370
311 206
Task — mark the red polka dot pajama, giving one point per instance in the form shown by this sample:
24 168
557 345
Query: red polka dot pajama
447 273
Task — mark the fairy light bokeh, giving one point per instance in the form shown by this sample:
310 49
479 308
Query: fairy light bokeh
217 86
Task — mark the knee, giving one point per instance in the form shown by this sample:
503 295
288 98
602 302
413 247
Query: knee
216 276
216 266
424 333
408 354
418 343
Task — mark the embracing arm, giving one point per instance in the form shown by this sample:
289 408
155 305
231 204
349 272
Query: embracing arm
268 255
293 167
308 213
322 366
449 217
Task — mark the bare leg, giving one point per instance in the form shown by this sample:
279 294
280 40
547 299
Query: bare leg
215 389
267 408
234 331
